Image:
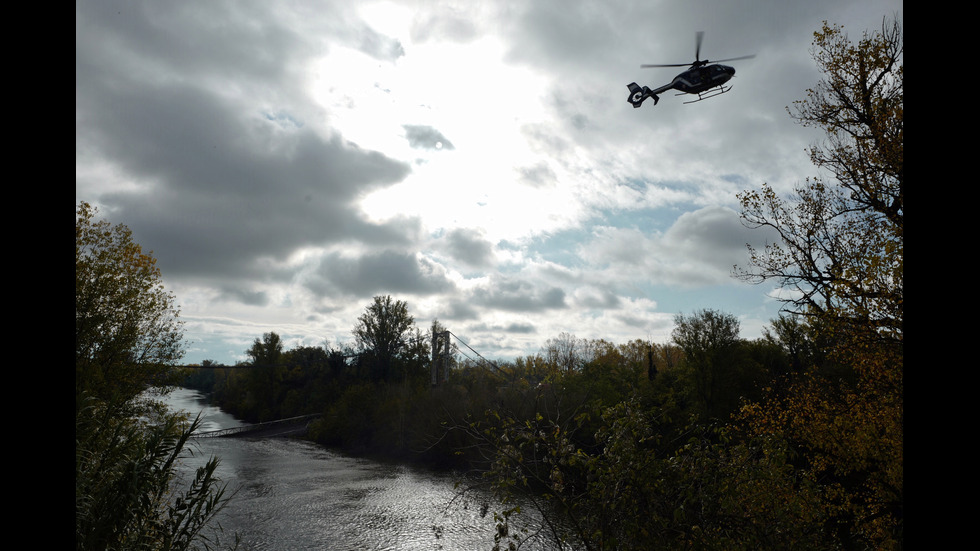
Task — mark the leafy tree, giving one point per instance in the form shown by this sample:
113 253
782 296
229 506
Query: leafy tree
842 241
841 257
565 352
640 488
710 341
306 383
667 356
611 372
264 378
127 328
792 336
307 358
127 335
383 332
266 352
416 358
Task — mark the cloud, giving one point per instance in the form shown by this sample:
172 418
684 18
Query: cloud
714 235
539 175
217 181
699 249
426 137
446 22
245 296
596 298
516 295
468 246
386 272
514 327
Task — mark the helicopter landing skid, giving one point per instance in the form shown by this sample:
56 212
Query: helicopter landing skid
709 94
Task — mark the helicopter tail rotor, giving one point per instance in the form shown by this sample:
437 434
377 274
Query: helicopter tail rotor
638 94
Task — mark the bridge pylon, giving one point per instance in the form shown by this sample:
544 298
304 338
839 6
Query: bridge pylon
440 357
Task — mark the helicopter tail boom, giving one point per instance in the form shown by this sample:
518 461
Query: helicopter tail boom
638 94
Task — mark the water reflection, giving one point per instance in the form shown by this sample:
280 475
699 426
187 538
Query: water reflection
293 494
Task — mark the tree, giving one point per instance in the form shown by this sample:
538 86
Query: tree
266 352
265 377
415 360
841 257
566 352
841 246
127 328
639 487
127 335
709 340
383 332
791 335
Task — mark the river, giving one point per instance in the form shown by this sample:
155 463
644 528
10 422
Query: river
292 494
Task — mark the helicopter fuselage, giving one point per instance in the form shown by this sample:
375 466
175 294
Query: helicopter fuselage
699 79
695 80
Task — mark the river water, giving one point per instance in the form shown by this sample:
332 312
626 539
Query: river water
291 494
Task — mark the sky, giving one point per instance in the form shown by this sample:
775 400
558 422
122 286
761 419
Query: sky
286 162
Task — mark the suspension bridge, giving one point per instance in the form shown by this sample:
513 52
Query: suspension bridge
442 354
280 428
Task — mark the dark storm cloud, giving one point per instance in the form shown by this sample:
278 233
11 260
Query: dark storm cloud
426 137
520 328
564 32
149 40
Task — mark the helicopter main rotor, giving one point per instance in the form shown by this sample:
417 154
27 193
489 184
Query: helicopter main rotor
698 62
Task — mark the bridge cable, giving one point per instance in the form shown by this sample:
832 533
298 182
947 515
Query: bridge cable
495 368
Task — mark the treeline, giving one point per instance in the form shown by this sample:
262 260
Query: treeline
387 405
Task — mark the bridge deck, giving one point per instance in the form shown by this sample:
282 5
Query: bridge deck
283 427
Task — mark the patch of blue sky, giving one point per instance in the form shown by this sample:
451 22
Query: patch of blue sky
559 247
284 119
749 302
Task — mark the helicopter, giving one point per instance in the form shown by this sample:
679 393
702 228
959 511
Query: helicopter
702 79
